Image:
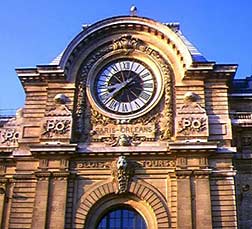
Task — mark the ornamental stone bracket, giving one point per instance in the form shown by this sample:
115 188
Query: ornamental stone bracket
191 119
57 123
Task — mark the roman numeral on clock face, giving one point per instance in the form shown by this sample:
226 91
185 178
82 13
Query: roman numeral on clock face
145 96
125 108
113 104
148 85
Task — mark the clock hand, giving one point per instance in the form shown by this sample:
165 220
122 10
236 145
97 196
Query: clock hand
117 87
120 86
114 86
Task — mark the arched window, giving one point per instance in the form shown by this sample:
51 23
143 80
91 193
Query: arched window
122 218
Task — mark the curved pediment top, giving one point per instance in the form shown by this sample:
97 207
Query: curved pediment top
169 32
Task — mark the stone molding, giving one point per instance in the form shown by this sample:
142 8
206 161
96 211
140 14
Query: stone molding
140 189
202 174
129 24
183 174
223 173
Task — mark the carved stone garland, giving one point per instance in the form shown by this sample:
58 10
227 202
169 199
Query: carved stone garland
126 44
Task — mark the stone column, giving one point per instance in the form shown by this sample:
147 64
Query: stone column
184 202
203 214
41 200
57 198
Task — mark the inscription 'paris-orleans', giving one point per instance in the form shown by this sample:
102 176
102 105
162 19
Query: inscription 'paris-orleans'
125 86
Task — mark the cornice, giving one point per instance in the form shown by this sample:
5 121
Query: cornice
40 74
193 147
210 70
53 149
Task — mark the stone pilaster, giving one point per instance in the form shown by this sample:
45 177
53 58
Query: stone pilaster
57 198
2 199
41 200
184 205
203 214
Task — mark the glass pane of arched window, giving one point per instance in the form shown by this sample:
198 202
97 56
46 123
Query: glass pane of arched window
122 218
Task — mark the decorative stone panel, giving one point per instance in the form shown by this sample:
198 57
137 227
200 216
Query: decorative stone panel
191 120
57 123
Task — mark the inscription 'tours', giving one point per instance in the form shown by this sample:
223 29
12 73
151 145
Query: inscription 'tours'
142 163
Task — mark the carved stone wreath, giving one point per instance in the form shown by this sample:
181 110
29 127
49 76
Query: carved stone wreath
126 44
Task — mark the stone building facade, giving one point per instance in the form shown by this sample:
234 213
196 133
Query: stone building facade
130 116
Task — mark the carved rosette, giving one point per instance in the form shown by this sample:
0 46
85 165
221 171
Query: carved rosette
191 120
161 121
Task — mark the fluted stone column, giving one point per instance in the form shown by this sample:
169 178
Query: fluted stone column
184 204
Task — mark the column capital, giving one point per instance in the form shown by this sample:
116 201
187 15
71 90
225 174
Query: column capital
202 174
60 175
183 174
42 175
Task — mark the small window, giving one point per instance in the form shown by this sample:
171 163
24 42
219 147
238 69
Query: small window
122 218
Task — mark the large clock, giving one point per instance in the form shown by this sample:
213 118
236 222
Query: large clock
124 89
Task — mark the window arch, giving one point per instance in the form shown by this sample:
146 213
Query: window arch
121 217
141 196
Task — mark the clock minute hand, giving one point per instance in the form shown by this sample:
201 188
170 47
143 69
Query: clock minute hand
117 88
114 86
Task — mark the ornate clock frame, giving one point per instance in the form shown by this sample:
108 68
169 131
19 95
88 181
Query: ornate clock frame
158 116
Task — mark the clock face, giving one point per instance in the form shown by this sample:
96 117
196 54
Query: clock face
124 88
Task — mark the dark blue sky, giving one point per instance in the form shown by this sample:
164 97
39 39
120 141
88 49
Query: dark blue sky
34 32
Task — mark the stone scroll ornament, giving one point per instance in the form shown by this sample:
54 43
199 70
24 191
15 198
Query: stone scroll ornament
122 171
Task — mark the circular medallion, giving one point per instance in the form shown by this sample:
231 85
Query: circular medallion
124 89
